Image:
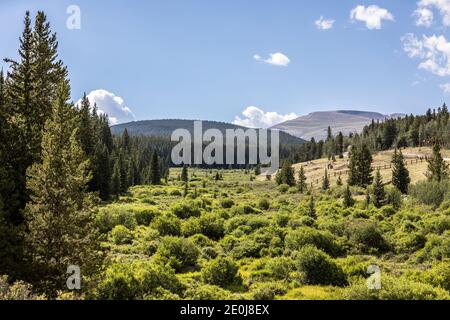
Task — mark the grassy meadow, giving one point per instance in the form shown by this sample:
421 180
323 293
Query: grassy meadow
246 238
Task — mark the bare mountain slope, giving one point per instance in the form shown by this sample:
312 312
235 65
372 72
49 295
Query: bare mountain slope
316 124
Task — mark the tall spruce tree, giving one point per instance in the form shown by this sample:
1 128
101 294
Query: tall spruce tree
400 174
185 174
348 199
379 195
59 218
326 181
302 184
437 167
340 145
155 169
360 166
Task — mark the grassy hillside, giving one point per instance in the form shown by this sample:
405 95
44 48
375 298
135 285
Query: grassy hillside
415 159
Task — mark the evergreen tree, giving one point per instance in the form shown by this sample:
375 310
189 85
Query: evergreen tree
339 181
59 219
437 168
348 199
86 126
400 174
360 166
123 174
302 180
312 208
115 179
286 175
340 145
325 181
102 172
156 173
379 195
185 174
126 140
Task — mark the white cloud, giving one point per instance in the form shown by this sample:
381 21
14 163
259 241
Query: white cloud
112 105
445 87
257 118
324 24
424 15
372 16
276 59
434 51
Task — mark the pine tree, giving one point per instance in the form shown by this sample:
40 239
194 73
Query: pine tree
286 175
348 199
339 181
59 219
437 168
156 173
400 174
340 145
325 181
312 208
302 184
115 179
379 195
102 172
126 140
185 174
360 166
86 126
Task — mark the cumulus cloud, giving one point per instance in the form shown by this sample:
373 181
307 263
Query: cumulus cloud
112 105
445 87
257 118
324 24
371 15
433 51
424 15
276 59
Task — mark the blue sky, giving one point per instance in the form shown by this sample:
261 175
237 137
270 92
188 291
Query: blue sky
195 59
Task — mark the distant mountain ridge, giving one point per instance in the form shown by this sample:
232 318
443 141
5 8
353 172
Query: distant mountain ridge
165 128
315 124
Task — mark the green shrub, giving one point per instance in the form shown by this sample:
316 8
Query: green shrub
207 292
18 290
109 217
220 271
431 192
323 240
318 267
366 235
145 216
226 203
121 235
268 291
136 280
211 225
283 188
280 268
179 253
394 197
186 209
167 225
394 288
264 204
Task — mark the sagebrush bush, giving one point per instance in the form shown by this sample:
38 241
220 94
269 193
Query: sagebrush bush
186 209
323 240
264 204
366 235
178 252
121 235
432 192
226 203
221 272
167 225
318 267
